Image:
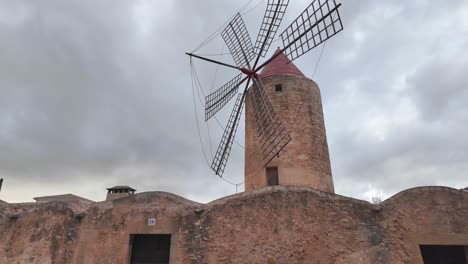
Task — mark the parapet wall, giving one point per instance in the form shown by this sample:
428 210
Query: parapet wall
269 225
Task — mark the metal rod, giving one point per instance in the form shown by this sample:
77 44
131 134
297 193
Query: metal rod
267 35
296 39
214 61
232 128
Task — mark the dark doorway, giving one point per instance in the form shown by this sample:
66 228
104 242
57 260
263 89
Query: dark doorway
150 249
443 254
272 176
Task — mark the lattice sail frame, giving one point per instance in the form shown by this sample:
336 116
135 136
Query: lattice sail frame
323 19
219 98
270 20
224 148
238 41
271 132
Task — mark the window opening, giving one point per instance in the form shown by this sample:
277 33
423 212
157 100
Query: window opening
278 88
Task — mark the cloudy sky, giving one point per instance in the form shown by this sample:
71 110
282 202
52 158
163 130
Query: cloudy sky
98 93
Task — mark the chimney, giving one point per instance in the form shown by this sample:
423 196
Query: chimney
117 192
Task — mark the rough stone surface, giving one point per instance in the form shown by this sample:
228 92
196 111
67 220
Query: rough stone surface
270 225
305 161
37 233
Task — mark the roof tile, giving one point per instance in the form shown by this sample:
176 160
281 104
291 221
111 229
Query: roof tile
280 65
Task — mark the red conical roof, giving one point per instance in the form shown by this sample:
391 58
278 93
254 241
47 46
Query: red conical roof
280 65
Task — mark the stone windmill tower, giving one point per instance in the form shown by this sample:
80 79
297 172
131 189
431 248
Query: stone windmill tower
305 160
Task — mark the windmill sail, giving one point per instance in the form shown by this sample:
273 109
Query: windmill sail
219 98
272 134
271 21
319 22
238 41
224 148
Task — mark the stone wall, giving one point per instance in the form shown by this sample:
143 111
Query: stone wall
37 233
269 225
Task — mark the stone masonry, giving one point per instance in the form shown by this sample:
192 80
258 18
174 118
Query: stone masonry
270 225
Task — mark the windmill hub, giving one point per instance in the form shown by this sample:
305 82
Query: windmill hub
250 73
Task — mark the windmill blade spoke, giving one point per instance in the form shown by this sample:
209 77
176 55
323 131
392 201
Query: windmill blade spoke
273 16
272 133
238 41
224 148
219 98
319 22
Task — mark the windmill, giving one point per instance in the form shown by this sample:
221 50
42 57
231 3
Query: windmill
316 24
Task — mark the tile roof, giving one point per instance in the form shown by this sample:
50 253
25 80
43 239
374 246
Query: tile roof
121 187
280 65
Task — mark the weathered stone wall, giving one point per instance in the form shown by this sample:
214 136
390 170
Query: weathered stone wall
37 233
270 225
284 225
424 216
305 160
106 229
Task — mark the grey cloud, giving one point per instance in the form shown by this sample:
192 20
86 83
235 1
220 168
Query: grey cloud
396 70
440 88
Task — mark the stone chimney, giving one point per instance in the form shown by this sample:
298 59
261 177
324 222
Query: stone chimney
119 192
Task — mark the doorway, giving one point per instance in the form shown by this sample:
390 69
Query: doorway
433 254
272 176
150 249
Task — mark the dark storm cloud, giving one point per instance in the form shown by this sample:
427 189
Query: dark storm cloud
99 93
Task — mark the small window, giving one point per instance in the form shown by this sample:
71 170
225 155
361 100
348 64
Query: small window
272 176
278 88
